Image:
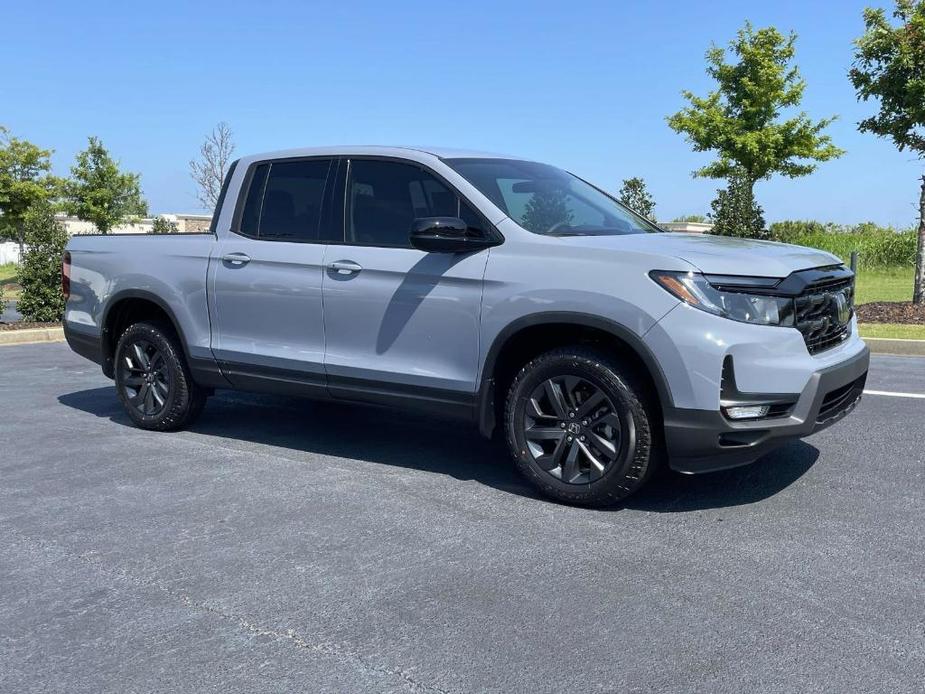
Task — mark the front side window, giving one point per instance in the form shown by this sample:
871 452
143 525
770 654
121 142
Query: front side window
547 200
284 200
385 197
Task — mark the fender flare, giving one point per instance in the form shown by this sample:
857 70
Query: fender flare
486 396
204 371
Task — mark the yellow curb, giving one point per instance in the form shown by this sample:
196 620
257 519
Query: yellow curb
31 336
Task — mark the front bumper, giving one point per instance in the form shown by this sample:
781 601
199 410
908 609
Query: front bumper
705 440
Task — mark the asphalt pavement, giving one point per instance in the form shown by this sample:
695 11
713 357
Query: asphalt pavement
285 545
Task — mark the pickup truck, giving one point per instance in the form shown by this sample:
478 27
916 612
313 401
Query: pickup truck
501 292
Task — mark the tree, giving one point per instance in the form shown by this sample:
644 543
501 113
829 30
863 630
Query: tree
546 209
635 196
40 270
735 211
209 170
25 180
741 120
693 218
100 193
889 65
162 225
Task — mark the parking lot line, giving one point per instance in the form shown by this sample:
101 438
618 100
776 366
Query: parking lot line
891 394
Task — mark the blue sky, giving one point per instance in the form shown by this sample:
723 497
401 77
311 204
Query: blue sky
584 85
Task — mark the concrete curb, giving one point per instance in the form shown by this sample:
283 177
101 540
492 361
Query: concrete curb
900 346
31 336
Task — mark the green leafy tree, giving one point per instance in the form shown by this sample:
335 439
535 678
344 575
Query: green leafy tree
741 119
162 225
693 218
40 270
546 209
100 193
735 211
634 194
25 180
889 66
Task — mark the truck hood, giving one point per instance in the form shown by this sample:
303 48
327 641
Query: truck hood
716 255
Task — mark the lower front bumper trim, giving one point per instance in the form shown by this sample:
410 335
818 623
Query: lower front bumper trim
705 441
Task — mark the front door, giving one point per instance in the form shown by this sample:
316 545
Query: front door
267 277
398 319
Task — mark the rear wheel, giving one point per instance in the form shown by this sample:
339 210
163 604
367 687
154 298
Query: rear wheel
579 427
153 380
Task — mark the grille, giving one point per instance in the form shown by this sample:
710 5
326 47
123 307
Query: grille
841 399
817 309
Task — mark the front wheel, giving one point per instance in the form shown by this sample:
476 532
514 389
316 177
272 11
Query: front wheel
152 379
579 427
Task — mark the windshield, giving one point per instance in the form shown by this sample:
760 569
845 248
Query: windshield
547 200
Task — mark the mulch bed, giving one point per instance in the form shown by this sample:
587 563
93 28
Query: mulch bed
891 312
23 325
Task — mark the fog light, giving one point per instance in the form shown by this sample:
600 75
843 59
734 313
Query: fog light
747 411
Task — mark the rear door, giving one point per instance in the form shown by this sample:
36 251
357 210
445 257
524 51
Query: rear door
398 319
266 281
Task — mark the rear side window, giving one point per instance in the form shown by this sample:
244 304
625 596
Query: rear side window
250 217
284 200
385 197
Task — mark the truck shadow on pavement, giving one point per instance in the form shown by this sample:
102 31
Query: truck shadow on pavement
388 437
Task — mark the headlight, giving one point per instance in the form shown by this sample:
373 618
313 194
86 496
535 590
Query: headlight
694 289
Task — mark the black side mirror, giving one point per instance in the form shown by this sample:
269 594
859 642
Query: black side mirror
445 235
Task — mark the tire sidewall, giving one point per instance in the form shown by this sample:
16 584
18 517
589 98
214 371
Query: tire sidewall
626 473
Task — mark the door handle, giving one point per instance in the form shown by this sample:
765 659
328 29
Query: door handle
239 259
345 267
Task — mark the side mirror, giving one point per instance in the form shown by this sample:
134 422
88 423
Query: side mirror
445 235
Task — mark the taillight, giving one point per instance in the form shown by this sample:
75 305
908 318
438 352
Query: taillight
66 275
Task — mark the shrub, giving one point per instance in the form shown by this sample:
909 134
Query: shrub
691 218
736 212
162 225
877 246
40 271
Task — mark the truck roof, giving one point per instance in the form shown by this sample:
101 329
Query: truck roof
402 151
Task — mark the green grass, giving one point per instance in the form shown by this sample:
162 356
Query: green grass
8 281
884 284
896 330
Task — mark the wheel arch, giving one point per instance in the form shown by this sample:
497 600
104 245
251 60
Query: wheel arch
127 307
531 335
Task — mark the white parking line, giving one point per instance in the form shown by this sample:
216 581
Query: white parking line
891 394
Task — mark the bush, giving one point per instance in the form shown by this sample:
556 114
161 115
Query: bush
877 246
162 225
736 212
40 271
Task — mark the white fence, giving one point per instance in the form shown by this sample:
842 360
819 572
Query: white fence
9 252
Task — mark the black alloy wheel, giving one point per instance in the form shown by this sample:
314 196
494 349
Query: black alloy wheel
144 377
582 425
572 429
153 380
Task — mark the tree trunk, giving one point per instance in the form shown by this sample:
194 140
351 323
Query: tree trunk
918 295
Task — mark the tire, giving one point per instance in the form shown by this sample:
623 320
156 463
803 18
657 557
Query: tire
152 378
606 451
